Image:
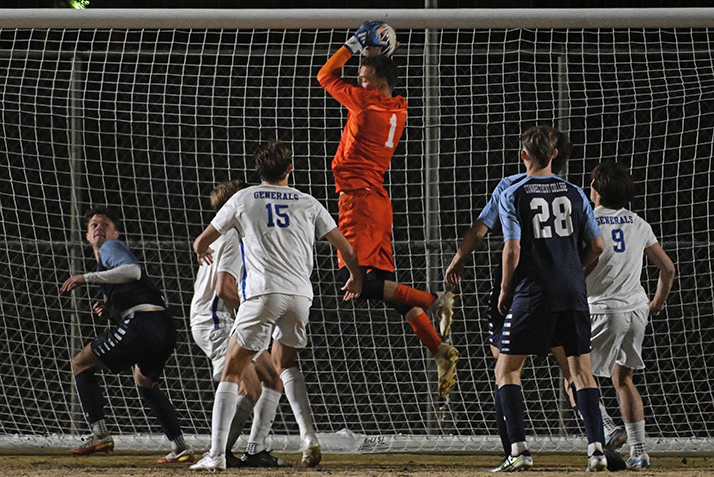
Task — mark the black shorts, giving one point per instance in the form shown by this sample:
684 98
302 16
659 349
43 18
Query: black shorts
373 285
144 338
495 318
535 332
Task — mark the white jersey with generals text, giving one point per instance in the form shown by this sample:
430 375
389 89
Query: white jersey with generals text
614 284
278 226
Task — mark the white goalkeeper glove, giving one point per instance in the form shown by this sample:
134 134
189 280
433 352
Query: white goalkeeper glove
363 37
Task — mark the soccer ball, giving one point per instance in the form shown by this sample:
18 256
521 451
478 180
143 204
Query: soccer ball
387 38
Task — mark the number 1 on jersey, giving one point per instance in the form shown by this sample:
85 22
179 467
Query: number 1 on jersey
392 130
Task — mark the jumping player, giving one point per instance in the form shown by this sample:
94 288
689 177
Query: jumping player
546 221
278 226
375 123
619 306
144 336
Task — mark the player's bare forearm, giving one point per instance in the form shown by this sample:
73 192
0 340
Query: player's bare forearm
72 282
472 239
659 257
353 287
592 251
202 242
511 257
227 290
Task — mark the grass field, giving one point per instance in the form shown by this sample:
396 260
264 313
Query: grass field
367 465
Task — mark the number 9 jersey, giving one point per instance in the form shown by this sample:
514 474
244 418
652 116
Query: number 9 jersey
552 218
614 284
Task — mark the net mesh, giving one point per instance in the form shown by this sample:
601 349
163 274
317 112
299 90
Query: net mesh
148 121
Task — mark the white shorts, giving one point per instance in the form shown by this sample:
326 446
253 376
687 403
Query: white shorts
214 343
285 316
617 339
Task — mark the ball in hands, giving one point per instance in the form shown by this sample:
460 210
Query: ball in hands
382 40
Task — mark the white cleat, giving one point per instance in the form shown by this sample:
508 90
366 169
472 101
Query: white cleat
311 452
442 310
210 463
446 358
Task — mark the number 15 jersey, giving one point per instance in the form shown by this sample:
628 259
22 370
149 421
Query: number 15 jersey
278 226
553 219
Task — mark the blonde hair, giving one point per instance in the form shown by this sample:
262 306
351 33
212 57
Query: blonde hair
224 191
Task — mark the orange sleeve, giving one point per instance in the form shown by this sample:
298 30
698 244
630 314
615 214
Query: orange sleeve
331 80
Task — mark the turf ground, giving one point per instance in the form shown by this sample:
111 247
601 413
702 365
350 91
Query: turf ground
365 465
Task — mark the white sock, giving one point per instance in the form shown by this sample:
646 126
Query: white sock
607 421
244 408
263 417
594 446
517 448
296 392
99 428
636 437
224 407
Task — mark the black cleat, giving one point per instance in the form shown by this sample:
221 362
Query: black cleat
262 459
233 462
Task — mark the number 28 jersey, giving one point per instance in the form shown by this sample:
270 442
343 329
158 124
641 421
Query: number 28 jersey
553 219
278 226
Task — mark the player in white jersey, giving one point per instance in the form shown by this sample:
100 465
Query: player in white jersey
215 299
278 226
619 306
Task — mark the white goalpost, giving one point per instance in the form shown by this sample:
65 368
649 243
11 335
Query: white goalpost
146 110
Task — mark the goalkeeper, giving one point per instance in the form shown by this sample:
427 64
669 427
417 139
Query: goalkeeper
144 337
375 123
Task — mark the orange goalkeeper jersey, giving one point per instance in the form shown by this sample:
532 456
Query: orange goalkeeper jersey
374 126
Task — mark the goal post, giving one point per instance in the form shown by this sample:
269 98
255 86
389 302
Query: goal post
146 110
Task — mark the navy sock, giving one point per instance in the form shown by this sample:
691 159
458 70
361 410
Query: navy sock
574 390
90 395
501 423
589 404
514 410
162 409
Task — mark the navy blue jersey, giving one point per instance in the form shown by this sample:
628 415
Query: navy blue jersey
552 218
122 296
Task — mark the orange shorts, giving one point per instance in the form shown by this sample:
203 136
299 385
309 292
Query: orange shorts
366 220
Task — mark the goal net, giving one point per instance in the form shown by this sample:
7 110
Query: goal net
146 117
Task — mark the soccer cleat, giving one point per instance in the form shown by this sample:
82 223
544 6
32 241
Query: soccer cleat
638 463
522 461
616 439
233 462
184 457
262 459
95 444
210 463
597 462
615 463
501 467
442 310
311 452
446 358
